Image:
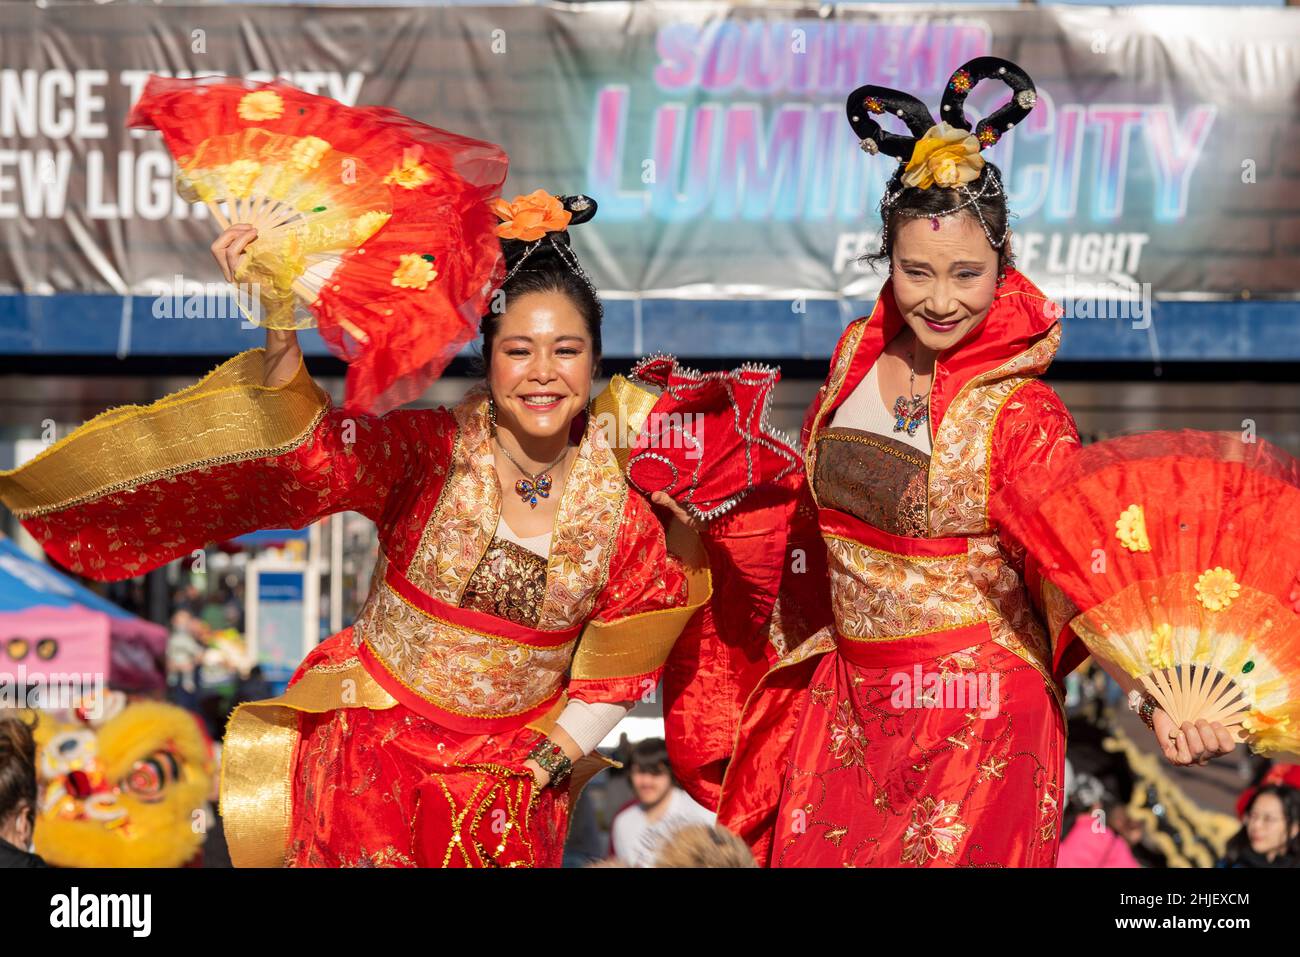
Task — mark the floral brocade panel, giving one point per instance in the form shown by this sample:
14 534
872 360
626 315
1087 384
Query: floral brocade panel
510 582
877 594
459 670
875 478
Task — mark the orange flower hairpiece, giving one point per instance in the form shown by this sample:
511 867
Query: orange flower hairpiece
530 217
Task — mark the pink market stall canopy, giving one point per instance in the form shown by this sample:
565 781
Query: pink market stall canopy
50 626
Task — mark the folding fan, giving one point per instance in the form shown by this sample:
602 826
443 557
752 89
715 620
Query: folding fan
372 226
1182 552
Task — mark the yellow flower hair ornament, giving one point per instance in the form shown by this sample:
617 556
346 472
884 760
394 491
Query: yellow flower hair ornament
943 153
945 156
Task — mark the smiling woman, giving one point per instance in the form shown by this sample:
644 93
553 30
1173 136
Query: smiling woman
932 404
523 598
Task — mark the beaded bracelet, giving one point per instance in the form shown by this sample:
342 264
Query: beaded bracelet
551 758
1145 705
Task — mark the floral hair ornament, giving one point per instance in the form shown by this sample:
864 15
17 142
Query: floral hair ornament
530 217
947 156
530 221
947 153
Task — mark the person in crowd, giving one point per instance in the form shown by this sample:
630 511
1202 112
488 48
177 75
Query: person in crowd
1094 825
17 794
1270 831
660 808
184 652
254 687
701 845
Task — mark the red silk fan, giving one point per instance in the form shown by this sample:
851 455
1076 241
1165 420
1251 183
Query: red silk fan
372 226
1182 552
707 442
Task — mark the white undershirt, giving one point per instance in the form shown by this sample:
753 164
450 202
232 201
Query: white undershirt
866 411
537 544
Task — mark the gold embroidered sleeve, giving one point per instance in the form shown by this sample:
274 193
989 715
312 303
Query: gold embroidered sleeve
648 600
138 486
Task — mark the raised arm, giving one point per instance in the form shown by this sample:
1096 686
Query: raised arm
255 444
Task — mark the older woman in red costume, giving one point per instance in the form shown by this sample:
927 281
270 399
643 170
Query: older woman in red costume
523 599
906 708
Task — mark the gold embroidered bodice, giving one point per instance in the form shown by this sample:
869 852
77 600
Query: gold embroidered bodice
875 478
509 582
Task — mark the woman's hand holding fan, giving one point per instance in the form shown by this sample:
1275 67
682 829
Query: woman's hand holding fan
1191 743
1181 552
283 354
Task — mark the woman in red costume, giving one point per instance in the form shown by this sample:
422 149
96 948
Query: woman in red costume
906 708
523 598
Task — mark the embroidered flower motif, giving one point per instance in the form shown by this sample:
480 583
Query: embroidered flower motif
960 82
847 742
530 217
954 665
1047 809
1268 729
945 155
1026 99
415 272
369 223
307 152
1216 588
1160 649
935 830
240 176
1131 529
988 136
869 146
873 105
262 105
412 174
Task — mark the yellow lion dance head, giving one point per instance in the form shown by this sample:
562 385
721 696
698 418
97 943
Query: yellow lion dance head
125 789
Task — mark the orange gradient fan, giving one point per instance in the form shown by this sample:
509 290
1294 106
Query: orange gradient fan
371 226
1181 551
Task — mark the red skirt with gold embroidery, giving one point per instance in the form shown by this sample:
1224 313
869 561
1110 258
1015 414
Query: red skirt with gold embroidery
902 760
391 788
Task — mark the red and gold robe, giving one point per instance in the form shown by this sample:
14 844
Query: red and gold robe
847 742
401 740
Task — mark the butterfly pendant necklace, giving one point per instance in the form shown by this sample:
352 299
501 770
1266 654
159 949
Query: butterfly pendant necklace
910 413
535 485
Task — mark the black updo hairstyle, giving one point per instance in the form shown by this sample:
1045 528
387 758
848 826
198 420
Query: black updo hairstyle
869 101
546 270
917 203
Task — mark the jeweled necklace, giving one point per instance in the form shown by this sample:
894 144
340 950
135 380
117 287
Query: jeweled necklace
534 484
910 413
